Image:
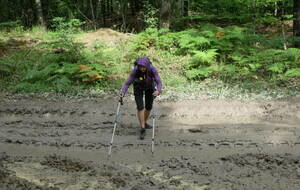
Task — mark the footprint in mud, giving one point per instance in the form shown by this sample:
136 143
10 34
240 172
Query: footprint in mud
212 144
119 181
72 112
264 161
175 166
128 145
107 122
266 108
66 164
127 132
162 116
129 178
195 130
83 112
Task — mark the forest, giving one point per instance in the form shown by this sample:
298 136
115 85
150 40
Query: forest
223 47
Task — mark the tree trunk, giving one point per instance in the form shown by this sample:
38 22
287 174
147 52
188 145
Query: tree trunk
132 7
27 13
93 15
165 14
275 9
111 6
103 12
185 8
296 27
40 13
283 28
124 11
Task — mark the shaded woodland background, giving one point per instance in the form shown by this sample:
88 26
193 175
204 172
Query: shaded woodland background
130 14
48 45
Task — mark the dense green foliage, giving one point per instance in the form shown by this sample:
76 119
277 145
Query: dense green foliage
139 14
230 53
249 44
60 64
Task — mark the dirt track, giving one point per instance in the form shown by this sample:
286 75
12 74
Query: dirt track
200 144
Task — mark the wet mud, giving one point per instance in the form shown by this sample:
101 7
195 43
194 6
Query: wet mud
201 144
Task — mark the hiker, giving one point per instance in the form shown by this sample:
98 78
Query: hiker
143 77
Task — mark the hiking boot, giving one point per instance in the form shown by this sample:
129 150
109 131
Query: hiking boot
142 133
147 126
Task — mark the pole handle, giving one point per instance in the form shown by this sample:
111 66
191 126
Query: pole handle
121 100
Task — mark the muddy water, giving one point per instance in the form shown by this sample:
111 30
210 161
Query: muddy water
200 144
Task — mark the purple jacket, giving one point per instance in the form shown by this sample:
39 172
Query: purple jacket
151 75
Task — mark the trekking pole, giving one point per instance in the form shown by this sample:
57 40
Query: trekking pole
117 118
153 128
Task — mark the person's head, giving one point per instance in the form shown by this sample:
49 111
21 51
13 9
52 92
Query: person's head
142 68
143 63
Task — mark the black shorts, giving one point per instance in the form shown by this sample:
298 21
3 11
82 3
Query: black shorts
138 96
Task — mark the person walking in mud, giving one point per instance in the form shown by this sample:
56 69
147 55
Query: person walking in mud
146 82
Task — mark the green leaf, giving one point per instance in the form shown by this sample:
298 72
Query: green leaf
293 73
255 66
208 56
292 54
277 68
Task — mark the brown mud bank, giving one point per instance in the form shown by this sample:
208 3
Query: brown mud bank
199 144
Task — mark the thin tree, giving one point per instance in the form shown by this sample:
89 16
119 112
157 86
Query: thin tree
296 26
165 14
93 15
185 7
40 15
103 11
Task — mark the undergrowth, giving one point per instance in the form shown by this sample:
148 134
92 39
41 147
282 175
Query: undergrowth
231 59
59 65
233 54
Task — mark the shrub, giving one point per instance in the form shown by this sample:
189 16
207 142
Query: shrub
67 27
60 65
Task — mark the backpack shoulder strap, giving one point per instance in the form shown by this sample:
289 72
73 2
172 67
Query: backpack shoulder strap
151 73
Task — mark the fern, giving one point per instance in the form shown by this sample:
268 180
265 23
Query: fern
166 41
204 57
292 73
230 69
68 69
35 75
210 27
234 33
255 66
292 54
277 67
202 72
93 72
238 58
5 68
195 73
190 40
38 86
62 84
189 44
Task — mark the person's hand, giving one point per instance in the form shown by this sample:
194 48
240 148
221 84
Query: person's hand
121 99
155 93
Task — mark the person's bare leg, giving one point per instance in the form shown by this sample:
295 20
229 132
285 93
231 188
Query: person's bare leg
147 115
141 117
